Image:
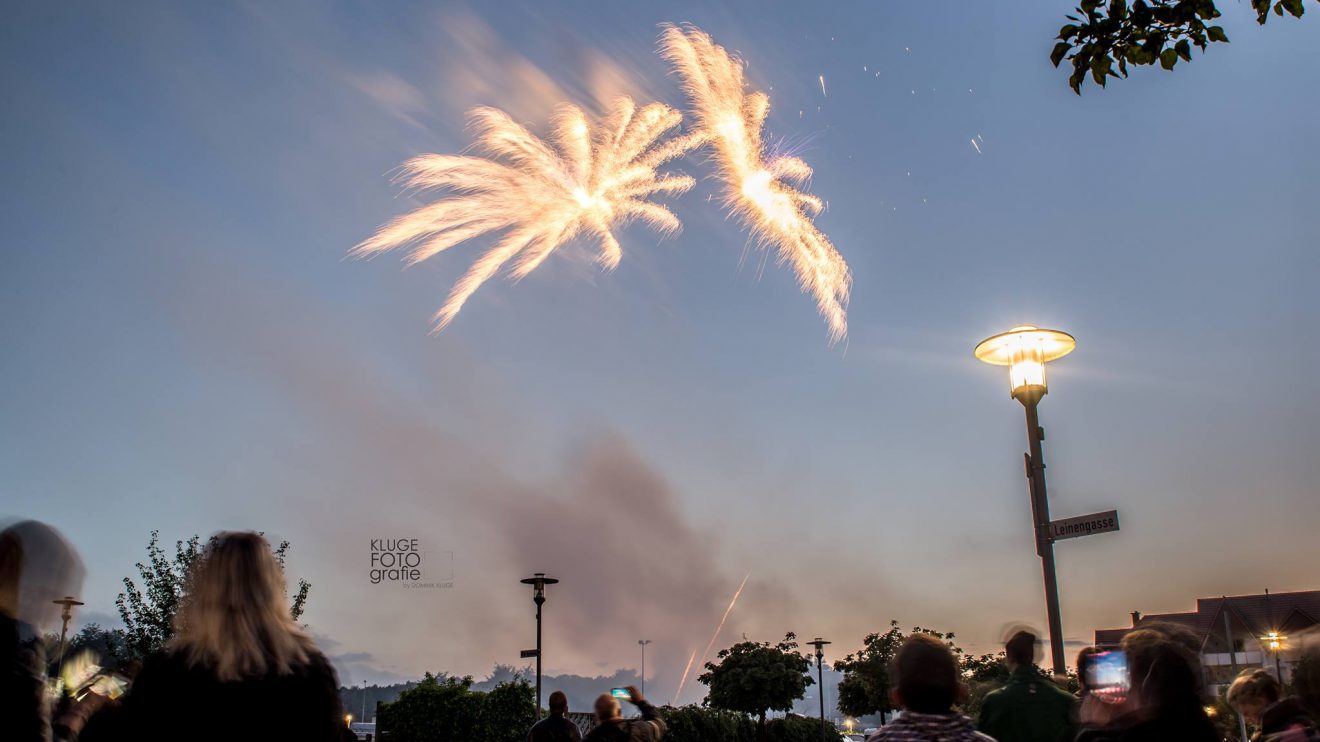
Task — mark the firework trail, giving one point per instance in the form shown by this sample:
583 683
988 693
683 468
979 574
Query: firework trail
714 636
682 680
539 195
760 190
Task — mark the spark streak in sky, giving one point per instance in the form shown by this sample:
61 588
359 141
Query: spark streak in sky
762 191
683 679
714 636
539 195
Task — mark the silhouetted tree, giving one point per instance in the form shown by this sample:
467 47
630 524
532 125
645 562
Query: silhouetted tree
1102 39
448 708
148 611
757 677
1306 681
865 686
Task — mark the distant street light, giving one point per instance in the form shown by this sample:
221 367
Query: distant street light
643 643
1026 350
819 643
538 582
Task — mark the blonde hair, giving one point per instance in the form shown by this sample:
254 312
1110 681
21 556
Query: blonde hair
235 620
1254 685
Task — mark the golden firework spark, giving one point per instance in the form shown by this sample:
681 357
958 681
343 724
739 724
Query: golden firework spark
539 195
760 189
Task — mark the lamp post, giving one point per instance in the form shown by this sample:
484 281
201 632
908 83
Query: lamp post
642 643
538 582
1026 350
1274 640
68 602
819 643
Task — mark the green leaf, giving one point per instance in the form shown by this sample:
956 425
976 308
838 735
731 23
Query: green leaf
1217 34
1168 58
1295 7
1060 49
1184 50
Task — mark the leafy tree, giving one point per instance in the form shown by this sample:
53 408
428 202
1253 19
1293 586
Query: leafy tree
1103 39
983 673
448 708
106 645
697 724
865 686
510 708
799 729
756 677
148 611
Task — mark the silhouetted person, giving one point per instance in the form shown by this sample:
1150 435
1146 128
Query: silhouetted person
556 727
1252 690
1165 695
1259 698
926 684
238 666
612 727
1030 707
37 566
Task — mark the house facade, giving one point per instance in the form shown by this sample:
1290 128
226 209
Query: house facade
1267 631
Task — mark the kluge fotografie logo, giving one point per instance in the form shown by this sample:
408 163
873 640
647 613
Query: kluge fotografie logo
402 561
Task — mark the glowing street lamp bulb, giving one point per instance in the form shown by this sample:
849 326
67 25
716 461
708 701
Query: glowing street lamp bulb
1025 350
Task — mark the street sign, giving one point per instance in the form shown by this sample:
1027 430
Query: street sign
1084 525
528 653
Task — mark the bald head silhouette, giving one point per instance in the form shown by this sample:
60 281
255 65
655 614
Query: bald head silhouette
607 707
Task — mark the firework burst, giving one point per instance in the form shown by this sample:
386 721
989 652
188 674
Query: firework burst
539 195
761 190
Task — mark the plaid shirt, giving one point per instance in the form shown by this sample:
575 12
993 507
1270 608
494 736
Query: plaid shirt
914 727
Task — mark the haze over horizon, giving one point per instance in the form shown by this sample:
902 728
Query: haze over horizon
188 349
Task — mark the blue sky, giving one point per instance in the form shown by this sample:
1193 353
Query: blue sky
187 348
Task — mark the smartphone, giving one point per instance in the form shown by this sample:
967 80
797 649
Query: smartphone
621 693
1107 675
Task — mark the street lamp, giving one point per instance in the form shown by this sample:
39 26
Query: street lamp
1274 640
1026 350
642 643
538 582
819 643
68 602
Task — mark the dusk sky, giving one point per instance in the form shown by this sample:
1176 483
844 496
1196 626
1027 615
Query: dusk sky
187 347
